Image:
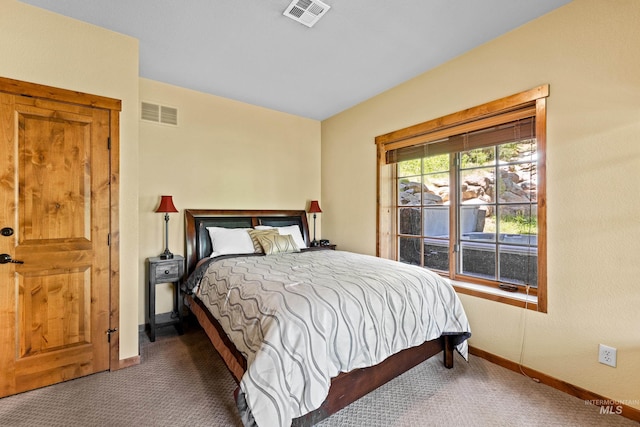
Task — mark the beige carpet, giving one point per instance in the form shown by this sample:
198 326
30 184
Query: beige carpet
182 382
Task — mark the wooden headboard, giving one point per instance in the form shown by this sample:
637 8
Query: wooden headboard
198 243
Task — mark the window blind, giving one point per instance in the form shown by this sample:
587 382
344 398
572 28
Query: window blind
518 130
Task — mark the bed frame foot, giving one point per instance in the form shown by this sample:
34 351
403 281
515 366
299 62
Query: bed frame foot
447 344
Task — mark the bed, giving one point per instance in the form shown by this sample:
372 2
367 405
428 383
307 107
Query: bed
235 344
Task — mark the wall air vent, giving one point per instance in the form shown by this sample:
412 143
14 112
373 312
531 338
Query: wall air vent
159 114
307 12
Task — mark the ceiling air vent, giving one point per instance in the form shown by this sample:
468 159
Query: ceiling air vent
307 12
159 114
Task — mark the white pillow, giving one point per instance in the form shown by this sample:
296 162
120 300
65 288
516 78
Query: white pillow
263 227
292 230
225 241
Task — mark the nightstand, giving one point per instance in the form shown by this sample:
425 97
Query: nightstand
164 271
320 248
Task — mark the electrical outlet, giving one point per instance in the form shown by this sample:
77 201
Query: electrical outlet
607 355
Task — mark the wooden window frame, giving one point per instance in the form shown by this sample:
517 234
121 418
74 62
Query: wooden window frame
514 107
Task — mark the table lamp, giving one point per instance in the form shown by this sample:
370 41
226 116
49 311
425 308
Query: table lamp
166 206
314 208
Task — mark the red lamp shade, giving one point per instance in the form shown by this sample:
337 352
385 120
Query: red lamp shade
166 205
314 207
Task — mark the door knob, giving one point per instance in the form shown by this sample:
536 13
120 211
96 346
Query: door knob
5 258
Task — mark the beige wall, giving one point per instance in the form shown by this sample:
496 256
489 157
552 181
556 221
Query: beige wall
223 155
42 47
589 53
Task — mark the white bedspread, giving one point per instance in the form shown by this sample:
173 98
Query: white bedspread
302 318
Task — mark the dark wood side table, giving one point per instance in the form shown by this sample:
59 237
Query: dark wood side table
164 271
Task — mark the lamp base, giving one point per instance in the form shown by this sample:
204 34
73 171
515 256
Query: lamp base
166 255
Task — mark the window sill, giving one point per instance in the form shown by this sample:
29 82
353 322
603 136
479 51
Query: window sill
512 298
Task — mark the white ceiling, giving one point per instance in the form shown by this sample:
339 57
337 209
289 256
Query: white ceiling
248 51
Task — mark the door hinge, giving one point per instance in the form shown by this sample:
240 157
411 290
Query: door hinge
109 143
109 239
109 332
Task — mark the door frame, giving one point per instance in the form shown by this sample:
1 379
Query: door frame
114 106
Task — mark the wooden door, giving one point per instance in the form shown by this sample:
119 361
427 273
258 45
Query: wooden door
54 195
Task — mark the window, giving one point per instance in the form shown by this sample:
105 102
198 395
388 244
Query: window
464 195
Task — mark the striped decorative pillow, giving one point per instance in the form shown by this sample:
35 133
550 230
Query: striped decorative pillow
254 238
294 230
277 243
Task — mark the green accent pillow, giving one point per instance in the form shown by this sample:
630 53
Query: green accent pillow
278 243
254 238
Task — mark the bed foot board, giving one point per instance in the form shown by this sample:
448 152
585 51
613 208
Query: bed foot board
348 387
